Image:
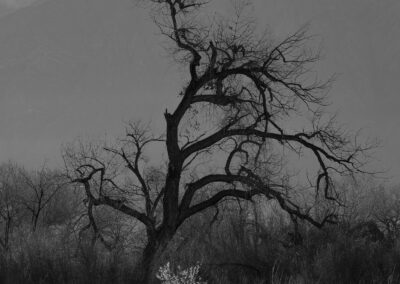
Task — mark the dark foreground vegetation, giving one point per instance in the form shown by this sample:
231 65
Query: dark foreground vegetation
238 243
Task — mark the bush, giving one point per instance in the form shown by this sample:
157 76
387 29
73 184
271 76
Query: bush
182 276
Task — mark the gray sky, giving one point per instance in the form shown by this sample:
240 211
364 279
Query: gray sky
73 68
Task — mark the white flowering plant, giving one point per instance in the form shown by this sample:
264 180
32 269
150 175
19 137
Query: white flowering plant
182 276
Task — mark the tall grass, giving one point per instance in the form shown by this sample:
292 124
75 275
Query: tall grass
234 249
46 257
234 252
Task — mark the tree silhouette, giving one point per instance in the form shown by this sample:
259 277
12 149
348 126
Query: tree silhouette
246 98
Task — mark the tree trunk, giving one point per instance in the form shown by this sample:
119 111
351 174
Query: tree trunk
7 233
146 269
35 221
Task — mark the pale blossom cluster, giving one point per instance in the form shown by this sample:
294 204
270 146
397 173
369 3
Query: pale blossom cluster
182 276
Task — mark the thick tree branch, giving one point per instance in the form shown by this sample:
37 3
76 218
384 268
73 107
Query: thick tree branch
105 200
246 195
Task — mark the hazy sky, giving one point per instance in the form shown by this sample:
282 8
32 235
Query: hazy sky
73 68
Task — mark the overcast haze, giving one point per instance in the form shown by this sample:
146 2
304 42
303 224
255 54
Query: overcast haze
73 68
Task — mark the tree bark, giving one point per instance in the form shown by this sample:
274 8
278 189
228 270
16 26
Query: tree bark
146 268
35 221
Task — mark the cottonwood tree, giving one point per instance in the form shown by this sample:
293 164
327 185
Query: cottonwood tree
248 102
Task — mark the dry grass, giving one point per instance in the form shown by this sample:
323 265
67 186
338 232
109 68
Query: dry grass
230 251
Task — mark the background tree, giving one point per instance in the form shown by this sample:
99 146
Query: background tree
40 187
64 206
385 210
11 211
249 101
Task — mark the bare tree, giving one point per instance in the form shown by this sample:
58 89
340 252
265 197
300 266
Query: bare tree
41 186
10 206
385 209
247 103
